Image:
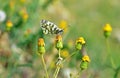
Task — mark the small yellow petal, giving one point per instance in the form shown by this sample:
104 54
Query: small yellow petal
58 38
86 58
107 27
80 40
41 42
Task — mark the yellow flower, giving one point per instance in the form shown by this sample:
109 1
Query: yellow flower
64 53
63 24
80 40
86 58
9 24
107 28
41 42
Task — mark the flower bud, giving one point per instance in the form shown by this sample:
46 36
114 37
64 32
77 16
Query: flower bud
78 46
41 50
107 30
107 34
41 42
41 46
84 65
79 42
59 44
85 61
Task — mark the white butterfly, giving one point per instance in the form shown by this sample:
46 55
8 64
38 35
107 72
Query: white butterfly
50 28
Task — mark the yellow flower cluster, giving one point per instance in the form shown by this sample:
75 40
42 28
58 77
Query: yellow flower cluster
86 58
107 28
41 42
9 24
80 40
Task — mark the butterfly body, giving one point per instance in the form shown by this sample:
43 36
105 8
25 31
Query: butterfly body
50 28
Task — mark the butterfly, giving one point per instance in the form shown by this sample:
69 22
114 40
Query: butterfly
50 28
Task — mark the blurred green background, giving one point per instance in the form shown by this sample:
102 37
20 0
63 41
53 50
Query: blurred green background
86 18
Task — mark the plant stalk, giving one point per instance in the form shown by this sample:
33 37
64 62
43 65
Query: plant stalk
108 50
44 65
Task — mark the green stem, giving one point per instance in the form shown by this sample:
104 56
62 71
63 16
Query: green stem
59 52
78 72
108 50
44 65
58 66
69 56
56 71
77 76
